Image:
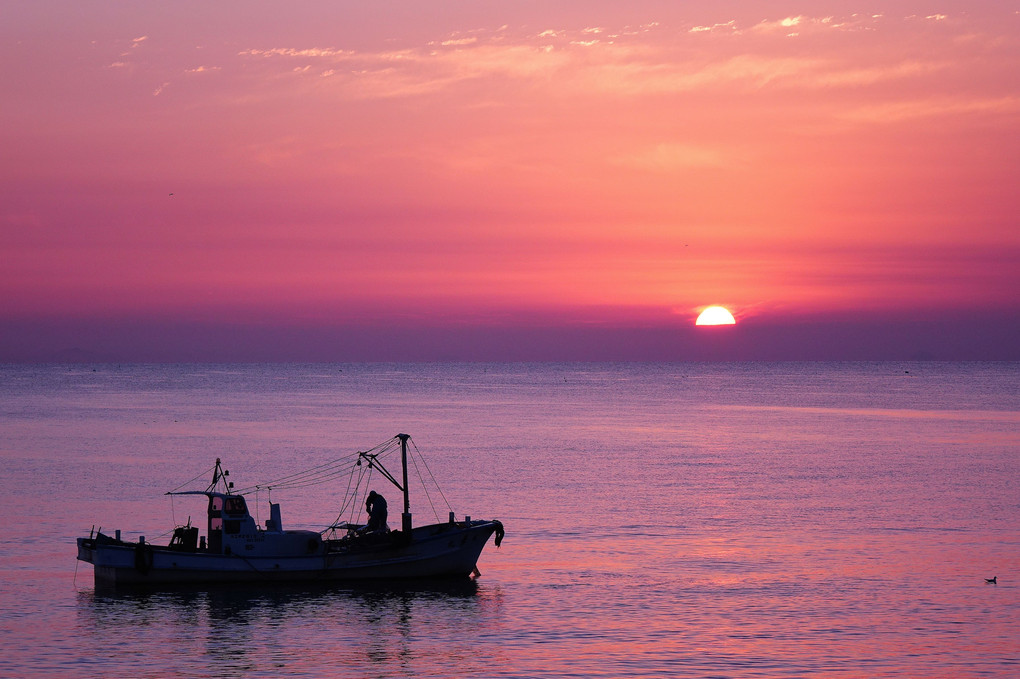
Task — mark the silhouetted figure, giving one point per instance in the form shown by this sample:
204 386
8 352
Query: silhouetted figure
375 505
992 580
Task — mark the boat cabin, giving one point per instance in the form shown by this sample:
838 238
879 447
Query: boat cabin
231 530
228 514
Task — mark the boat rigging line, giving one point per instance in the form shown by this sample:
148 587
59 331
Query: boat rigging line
318 474
351 467
414 461
204 474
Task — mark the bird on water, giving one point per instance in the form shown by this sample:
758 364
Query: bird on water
994 580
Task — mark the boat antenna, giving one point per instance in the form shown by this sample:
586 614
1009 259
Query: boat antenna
219 474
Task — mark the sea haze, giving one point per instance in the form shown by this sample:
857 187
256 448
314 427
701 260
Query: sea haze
687 519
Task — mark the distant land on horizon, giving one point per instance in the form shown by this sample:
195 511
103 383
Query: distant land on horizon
952 338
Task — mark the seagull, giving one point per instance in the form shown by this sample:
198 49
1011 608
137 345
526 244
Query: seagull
993 580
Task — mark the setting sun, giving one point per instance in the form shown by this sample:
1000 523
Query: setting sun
715 315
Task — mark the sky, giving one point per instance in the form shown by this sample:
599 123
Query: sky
398 180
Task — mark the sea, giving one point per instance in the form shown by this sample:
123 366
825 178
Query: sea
662 520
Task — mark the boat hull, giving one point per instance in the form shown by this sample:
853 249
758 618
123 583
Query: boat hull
440 550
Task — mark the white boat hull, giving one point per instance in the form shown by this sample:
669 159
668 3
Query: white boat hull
440 550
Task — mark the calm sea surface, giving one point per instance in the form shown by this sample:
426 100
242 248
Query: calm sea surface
687 520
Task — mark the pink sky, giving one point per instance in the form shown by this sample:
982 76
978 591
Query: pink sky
178 175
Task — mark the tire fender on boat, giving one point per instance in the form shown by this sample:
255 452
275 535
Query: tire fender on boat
143 557
499 533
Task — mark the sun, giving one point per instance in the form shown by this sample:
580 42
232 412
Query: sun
715 315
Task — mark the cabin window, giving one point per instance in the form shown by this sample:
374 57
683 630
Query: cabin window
235 506
215 512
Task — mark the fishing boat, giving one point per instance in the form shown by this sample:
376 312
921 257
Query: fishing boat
236 549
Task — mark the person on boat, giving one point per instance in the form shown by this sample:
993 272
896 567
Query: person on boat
375 505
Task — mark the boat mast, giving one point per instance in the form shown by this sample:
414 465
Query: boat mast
373 463
406 516
219 475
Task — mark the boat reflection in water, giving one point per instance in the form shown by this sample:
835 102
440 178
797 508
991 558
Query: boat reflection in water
235 549
309 629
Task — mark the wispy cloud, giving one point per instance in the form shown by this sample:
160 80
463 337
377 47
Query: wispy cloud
310 52
899 111
727 27
459 42
792 26
788 25
622 62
